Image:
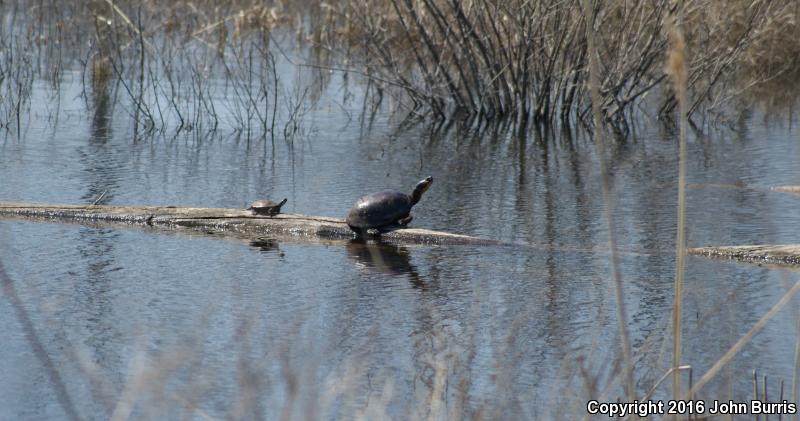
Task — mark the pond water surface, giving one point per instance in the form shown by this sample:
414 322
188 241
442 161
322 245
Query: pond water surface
164 324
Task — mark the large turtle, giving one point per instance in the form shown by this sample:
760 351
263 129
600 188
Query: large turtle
266 207
381 211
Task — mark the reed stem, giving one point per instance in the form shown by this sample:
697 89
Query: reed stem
594 88
676 67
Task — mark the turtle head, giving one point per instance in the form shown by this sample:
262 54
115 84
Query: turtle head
420 188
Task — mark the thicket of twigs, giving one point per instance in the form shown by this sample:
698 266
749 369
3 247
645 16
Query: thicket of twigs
169 62
528 59
168 65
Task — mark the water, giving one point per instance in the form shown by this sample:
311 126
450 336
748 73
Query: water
166 324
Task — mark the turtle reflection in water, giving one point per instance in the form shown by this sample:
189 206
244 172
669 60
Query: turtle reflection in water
381 212
267 245
389 259
266 207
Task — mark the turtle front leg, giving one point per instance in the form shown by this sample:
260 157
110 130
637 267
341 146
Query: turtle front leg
405 221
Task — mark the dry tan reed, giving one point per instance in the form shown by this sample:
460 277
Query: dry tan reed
622 318
676 68
32 337
744 340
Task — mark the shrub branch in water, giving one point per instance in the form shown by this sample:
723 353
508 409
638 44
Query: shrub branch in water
528 59
488 59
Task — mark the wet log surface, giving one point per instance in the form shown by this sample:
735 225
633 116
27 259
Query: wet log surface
788 254
787 189
785 255
239 222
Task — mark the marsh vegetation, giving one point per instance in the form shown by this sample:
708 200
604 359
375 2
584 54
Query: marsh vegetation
529 112
168 63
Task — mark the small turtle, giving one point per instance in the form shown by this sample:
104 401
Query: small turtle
380 211
266 207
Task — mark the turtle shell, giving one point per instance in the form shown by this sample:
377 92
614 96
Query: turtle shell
266 207
379 209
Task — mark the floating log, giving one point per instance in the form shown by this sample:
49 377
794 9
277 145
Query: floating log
221 220
788 254
787 189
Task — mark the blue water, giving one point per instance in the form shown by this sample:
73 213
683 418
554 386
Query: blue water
165 324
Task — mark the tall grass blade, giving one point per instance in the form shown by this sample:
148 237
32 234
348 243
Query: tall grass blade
745 339
594 85
676 67
50 368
